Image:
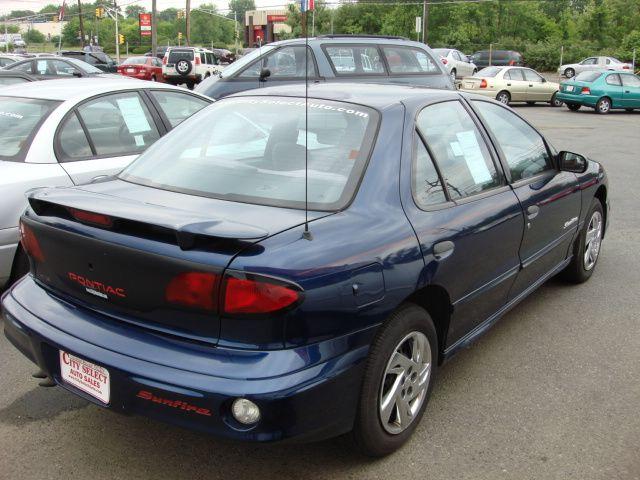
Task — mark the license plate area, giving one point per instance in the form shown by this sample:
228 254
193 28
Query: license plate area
86 376
569 88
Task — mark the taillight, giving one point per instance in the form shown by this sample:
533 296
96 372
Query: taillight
164 60
197 59
483 83
585 91
444 60
253 294
30 242
512 62
92 218
194 289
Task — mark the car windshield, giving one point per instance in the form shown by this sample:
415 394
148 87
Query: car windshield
587 76
135 61
488 72
252 150
443 52
87 67
244 61
19 120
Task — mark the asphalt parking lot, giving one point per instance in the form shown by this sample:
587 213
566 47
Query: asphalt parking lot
551 392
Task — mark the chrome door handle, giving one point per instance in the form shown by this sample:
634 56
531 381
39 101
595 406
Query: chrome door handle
533 211
442 250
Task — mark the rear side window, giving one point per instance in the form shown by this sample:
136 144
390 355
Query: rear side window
355 60
20 119
176 55
513 74
73 141
177 106
253 151
118 124
426 184
409 60
459 149
523 147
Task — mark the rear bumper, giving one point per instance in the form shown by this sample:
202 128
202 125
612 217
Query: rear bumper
307 393
578 99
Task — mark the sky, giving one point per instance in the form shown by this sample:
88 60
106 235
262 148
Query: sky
7 5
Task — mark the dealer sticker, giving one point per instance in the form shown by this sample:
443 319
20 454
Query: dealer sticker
86 376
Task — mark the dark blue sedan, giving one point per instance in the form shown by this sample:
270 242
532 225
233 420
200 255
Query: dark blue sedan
197 289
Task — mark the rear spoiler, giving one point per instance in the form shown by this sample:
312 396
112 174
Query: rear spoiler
125 213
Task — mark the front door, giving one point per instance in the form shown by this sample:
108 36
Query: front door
630 91
468 221
614 89
536 90
550 198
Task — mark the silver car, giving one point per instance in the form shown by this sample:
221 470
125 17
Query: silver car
457 63
69 132
593 63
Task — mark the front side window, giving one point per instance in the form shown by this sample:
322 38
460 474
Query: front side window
19 121
252 150
61 68
426 185
523 147
287 62
531 76
178 106
355 60
119 124
458 149
630 80
409 60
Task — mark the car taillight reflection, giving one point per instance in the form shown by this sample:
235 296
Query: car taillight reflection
92 218
30 242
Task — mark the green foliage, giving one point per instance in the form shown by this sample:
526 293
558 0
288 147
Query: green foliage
34 36
240 7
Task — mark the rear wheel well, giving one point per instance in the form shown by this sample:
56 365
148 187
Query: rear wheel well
435 300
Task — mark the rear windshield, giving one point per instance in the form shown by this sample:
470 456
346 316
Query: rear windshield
19 121
488 72
135 61
177 55
587 76
252 150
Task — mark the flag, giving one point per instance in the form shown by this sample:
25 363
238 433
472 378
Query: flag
61 13
307 5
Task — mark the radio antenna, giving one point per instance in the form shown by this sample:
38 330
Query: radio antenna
306 4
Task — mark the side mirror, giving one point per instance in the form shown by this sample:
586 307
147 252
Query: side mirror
77 74
264 74
572 162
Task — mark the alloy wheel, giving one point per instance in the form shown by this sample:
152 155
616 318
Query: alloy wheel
405 382
593 240
604 106
503 98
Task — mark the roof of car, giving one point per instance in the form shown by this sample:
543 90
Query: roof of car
351 39
68 89
378 96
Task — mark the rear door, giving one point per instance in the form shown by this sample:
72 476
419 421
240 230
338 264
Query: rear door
550 199
631 91
468 221
103 135
516 84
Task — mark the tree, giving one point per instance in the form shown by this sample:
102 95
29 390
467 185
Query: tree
132 11
240 7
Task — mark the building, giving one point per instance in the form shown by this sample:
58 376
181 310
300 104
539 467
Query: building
264 26
48 29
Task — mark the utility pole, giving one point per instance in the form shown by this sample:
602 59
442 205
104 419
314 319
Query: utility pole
81 24
115 13
188 23
154 31
425 20
6 37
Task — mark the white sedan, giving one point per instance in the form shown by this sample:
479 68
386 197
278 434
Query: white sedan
457 63
69 132
570 70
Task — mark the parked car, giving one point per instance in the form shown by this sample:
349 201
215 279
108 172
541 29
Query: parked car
593 63
331 58
11 78
7 60
189 65
44 142
602 91
224 56
96 58
196 291
487 58
52 67
160 51
513 84
142 68
457 63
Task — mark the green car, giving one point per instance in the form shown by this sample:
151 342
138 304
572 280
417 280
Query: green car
602 91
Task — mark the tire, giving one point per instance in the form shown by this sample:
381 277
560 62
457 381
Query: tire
569 73
554 101
453 75
190 85
503 97
582 266
183 67
574 107
531 103
409 325
603 106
